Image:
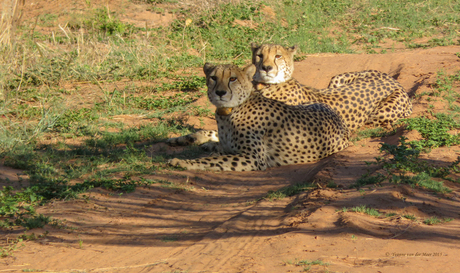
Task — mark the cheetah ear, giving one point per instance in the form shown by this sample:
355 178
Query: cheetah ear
208 68
250 70
254 48
293 49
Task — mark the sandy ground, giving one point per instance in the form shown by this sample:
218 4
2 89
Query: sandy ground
216 222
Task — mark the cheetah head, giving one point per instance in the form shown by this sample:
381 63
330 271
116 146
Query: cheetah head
228 85
274 63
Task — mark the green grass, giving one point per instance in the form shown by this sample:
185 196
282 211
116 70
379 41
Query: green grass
423 180
405 157
364 209
435 220
306 264
432 221
289 191
51 168
331 184
403 21
368 179
410 217
217 35
168 239
445 86
435 127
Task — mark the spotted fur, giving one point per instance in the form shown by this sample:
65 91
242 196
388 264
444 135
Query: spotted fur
366 97
260 132
390 109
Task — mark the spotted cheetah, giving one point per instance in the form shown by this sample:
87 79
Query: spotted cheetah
256 132
366 97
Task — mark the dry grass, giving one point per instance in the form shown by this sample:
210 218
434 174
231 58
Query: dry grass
11 15
206 5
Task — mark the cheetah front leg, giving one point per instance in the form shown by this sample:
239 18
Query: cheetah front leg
249 159
239 162
394 107
208 139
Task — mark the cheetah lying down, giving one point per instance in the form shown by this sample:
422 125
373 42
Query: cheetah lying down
256 132
366 97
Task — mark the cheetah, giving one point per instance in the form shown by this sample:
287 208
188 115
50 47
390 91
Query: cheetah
256 132
366 97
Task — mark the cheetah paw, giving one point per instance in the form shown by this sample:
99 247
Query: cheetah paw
176 162
213 147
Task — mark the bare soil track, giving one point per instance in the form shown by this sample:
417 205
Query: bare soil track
217 222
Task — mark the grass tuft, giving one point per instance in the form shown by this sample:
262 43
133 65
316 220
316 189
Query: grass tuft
434 220
289 191
365 210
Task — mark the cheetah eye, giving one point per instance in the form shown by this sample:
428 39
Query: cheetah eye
260 56
277 56
214 78
232 79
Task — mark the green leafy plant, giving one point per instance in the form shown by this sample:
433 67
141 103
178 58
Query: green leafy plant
445 87
35 221
8 250
434 131
403 159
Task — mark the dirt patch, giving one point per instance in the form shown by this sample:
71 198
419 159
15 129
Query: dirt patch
413 69
137 13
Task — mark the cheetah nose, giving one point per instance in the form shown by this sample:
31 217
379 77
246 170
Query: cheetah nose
267 68
221 93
